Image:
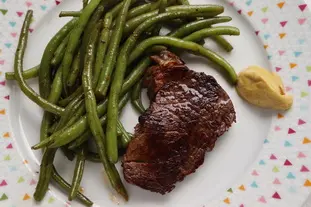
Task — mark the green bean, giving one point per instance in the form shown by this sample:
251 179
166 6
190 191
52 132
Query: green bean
85 2
116 10
66 101
125 137
215 31
198 25
223 43
102 47
116 86
84 137
92 117
70 14
187 45
95 21
65 185
28 74
145 8
136 98
197 10
75 36
78 174
60 52
72 78
18 68
45 65
109 64
48 157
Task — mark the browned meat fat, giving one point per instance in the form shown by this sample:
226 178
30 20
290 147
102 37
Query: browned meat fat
188 113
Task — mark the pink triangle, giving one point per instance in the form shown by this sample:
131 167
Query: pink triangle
7 97
287 163
9 146
302 7
304 169
301 21
301 122
3 183
1 62
291 131
283 23
257 32
2 83
276 181
241 205
278 69
20 13
277 128
240 11
287 88
273 157
32 182
13 34
254 173
276 195
57 2
281 52
309 82
31 30
264 20
301 155
231 3
28 4
262 199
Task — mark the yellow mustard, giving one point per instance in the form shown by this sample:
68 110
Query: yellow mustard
263 88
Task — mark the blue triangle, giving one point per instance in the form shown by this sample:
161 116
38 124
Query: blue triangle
12 168
292 189
266 141
294 78
269 57
43 7
12 24
249 2
291 176
297 54
287 144
266 36
3 1
254 185
8 45
261 162
301 41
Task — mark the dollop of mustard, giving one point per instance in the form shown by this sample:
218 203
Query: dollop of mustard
263 88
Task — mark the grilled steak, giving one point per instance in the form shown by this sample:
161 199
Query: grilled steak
189 111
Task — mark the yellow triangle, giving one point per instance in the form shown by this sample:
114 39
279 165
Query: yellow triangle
2 111
281 4
292 65
25 161
307 183
250 13
282 35
266 46
227 201
306 140
26 197
242 188
6 135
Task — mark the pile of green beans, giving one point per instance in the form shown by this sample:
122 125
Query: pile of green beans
95 64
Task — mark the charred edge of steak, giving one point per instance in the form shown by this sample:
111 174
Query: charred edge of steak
188 113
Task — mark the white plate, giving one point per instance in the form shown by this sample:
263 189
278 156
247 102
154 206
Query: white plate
264 159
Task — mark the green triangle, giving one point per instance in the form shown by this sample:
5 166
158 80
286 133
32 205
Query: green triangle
51 200
265 9
309 68
3 197
275 169
20 180
303 94
230 190
7 157
4 11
